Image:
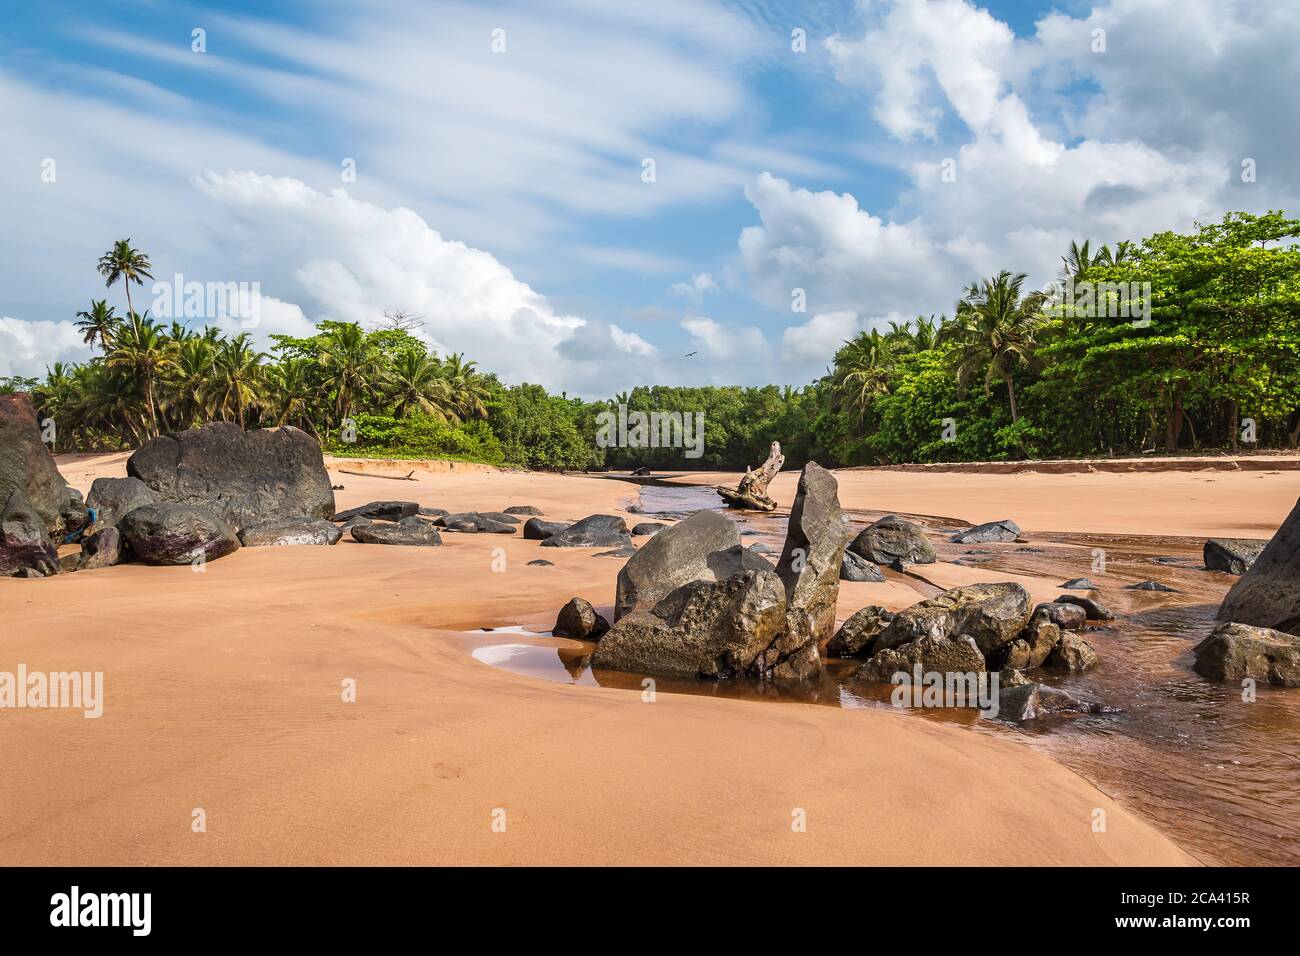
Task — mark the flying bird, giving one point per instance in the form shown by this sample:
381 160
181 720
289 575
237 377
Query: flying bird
689 354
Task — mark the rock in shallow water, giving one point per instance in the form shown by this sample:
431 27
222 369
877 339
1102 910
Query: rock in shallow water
1150 586
411 532
1066 615
892 540
170 533
1232 555
1095 610
857 634
809 566
1234 652
992 614
1268 594
1072 653
1004 530
940 655
579 619
675 557
859 569
1079 584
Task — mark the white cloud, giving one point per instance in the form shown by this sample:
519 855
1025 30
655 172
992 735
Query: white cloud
695 288
818 338
28 347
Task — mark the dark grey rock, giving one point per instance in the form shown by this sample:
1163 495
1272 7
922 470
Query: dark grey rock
291 531
1079 584
992 614
172 533
523 510
648 529
934 655
1004 530
1268 594
382 511
535 529
1066 615
674 557
475 522
541 563
410 532
1151 586
857 635
892 540
244 477
594 531
103 549
1095 610
427 512
25 543
1233 555
113 498
1234 652
856 568
624 552
26 465
579 619
1072 653
809 565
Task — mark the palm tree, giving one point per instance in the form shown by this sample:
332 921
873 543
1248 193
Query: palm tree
129 265
289 393
468 392
97 324
995 329
862 368
236 381
142 349
418 386
352 366
187 386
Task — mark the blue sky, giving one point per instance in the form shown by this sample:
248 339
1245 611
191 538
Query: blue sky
499 194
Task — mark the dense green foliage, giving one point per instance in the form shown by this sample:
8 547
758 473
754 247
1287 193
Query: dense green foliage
1179 342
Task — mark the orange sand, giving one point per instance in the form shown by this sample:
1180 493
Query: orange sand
223 692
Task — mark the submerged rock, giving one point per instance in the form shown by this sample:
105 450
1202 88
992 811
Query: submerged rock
1004 530
1233 555
579 619
1234 652
858 634
992 614
411 532
892 540
856 568
171 533
1268 594
1095 610
1066 615
1072 653
291 531
594 531
25 544
244 477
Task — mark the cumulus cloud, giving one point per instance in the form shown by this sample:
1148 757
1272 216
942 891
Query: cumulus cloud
28 347
695 288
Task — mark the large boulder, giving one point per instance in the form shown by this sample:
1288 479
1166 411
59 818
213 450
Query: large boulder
1233 555
27 465
1004 530
244 477
707 629
809 566
173 533
25 544
857 636
579 619
892 540
1268 594
290 531
594 531
681 554
383 511
992 614
411 532
114 498
1234 652
934 655
103 549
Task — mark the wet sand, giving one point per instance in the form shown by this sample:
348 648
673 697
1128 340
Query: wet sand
223 692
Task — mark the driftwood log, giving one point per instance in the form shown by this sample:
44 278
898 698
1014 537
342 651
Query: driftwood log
751 492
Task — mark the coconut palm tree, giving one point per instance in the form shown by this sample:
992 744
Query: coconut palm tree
468 392
142 349
352 365
995 330
418 386
236 382
289 394
861 371
187 386
97 324
129 265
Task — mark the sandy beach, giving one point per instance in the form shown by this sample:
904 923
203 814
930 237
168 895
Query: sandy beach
224 693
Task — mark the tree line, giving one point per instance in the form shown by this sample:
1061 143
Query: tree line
1179 342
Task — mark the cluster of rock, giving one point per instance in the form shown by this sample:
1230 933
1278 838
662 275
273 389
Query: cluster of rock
694 602
970 629
1259 637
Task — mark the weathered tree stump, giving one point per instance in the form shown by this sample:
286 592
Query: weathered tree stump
751 492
